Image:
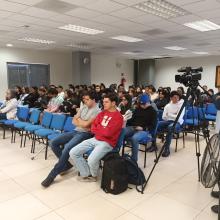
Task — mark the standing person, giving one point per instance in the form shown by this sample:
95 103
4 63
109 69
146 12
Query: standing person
82 120
106 128
144 120
216 100
8 109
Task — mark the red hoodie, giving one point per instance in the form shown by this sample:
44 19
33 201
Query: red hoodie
107 127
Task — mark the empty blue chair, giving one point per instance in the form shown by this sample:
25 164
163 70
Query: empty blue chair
46 121
210 112
57 124
68 127
22 115
20 126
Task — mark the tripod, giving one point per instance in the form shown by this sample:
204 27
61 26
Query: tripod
191 91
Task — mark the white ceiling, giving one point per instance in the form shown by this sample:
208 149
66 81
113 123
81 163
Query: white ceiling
114 17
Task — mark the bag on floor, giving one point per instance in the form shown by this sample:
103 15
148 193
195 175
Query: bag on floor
135 174
114 175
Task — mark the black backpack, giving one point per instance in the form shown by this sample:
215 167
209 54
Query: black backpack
135 174
114 175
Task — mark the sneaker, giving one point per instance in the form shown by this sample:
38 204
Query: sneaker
152 148
166 153
47 182
215 208
215 194
66 170
87 179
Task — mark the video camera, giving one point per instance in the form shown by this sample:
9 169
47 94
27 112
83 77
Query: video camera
190 76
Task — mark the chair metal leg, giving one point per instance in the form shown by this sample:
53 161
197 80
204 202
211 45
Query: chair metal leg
12 135
32 158
3 132
33 143
22 135
183 140
25 137
176 145
145 155
46 149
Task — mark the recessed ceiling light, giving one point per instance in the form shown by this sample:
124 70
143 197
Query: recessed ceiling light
80 29
127 39
9 45
200 53
37 40
175 48
161 8
203 25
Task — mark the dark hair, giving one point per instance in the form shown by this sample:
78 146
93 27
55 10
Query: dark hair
69 93
91 94
152 88
52 91
128 106
42 90
112 97
173 93
182 89
13 93
59 86
26 89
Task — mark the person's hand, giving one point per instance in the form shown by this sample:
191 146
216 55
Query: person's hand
138 128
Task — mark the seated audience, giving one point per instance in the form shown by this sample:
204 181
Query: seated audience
32 97
106 128
8 108
125 108
55 101
69 105
43 99
170 113
152 93
24 94
18 92
82 120
144 119
60 91
161 101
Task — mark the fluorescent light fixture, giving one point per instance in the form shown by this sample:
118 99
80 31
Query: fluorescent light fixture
127 39
37 40
203 25
80 29
175 48
80 46
129 53
161 8
200 53
9 45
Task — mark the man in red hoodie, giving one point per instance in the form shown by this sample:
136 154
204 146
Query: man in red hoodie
106 129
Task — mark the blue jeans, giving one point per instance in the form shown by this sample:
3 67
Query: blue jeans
99 150
135 137
69 140
3 116
168 127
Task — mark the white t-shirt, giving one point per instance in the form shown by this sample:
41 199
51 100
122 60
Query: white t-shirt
171 111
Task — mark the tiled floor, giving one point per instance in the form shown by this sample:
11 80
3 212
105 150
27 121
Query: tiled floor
172 193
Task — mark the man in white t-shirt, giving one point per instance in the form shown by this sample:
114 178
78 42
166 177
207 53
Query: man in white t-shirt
170 113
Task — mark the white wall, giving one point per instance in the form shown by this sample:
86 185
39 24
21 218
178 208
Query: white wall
60 64
108 69
166 69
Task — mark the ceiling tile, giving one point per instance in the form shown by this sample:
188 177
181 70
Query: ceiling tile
5 14
80 2
12 7
40 13
127 13
106 19
83 13
128 2
26 2
25 19
104 6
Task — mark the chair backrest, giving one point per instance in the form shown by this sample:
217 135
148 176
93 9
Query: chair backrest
58 121
69 126
120 140
46 120
211 109
23 113
192 112
35 115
